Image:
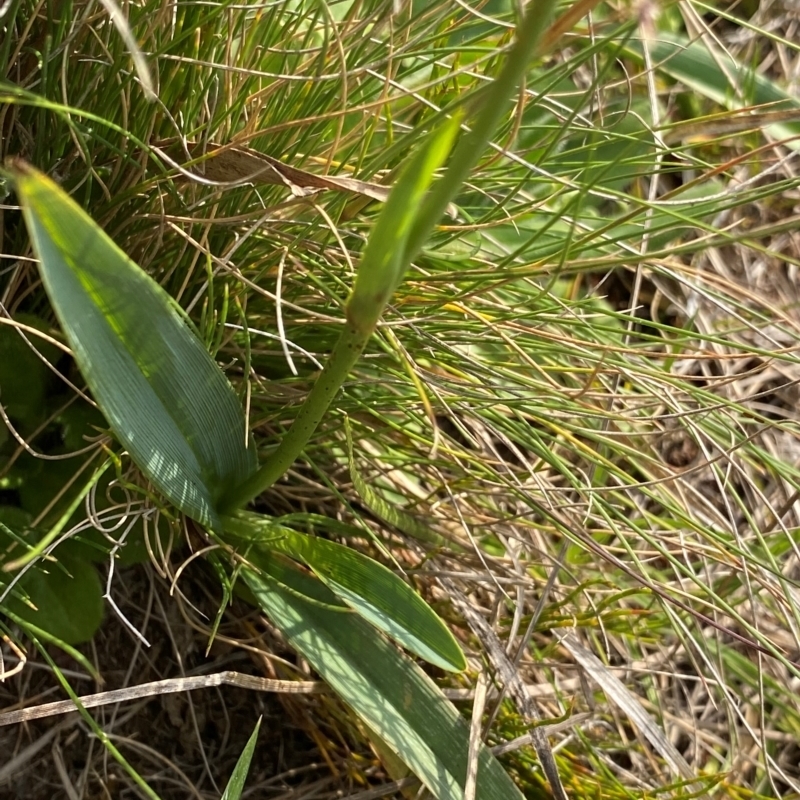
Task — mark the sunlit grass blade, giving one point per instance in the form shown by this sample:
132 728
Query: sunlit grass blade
383 263
493 105
235 787
622 697
383 686
392 514
164 397
410 214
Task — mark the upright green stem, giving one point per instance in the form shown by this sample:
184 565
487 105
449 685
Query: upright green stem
345 353
493 106
364 313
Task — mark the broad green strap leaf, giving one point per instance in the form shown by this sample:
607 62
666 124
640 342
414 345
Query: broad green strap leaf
290 577
376 593
163 395
235 787
368 587
391 693
720 78
321 522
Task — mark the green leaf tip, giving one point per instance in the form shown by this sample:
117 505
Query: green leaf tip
235 787
363 584
163 395
379 596
396 699
385 261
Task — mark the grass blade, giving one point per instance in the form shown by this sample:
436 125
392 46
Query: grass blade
392 514
379 272
235 787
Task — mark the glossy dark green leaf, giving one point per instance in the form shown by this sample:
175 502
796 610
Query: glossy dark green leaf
163 395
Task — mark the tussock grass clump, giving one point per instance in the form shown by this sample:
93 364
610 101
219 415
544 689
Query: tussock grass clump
576 422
